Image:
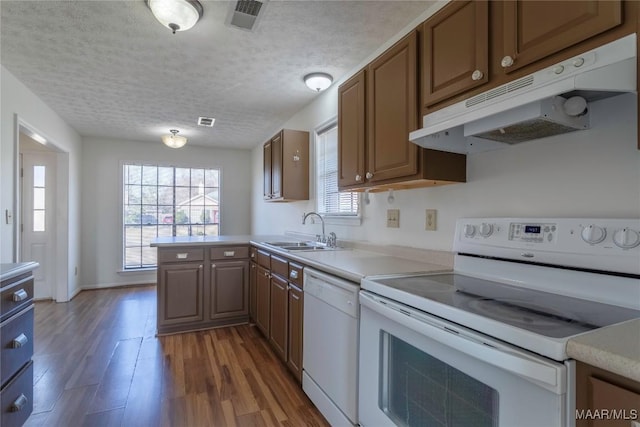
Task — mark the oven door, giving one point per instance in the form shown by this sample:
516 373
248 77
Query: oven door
420 370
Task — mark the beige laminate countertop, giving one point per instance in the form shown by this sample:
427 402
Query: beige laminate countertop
348 263
614 348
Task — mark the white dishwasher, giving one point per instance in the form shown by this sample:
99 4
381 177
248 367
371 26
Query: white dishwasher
330 346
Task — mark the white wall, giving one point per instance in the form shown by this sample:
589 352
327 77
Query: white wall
594 173
17 99
101 199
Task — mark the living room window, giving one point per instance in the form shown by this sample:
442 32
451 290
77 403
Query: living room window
330 202
166 201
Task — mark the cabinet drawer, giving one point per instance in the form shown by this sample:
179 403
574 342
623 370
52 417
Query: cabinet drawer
16 296
179 255
279 266
16 338
17 398
264 259
229 252
295 274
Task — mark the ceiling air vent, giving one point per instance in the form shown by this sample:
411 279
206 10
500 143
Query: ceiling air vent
206 121
245 14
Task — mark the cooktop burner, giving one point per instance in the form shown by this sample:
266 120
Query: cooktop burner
543 313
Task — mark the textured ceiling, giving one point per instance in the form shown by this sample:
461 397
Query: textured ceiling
109 69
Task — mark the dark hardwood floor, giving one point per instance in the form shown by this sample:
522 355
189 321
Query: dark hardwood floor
98 363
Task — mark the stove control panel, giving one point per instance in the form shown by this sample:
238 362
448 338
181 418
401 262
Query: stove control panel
533 232
596 243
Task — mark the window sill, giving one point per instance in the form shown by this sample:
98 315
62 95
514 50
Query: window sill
134 271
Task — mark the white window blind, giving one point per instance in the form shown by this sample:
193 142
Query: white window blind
330 201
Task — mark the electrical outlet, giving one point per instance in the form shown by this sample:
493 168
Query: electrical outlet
431 219
393 218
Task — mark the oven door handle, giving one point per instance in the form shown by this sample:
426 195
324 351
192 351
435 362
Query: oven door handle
532 368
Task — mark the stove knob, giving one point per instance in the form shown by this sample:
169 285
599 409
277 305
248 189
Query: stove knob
626 238
486 229
593 234
469 230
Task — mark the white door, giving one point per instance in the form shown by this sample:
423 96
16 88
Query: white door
38 218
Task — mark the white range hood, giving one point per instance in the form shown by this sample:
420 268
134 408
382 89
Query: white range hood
535 106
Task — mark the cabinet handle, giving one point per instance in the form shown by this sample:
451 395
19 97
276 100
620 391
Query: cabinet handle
358 178
200 266
252 255
19 341
229 253
213 266
20 295
266 274
182 256
477 75
19 403
506 62
253 265
293 274
369 175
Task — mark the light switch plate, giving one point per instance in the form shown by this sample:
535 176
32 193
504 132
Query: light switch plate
431 219
393 218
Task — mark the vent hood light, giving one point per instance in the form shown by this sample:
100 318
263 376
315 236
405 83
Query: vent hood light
530 108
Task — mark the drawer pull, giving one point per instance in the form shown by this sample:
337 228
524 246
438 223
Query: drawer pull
19 403
182 256
20 295
293 274
19 341
229 253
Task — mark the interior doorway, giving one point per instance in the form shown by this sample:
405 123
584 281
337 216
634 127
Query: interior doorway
42 212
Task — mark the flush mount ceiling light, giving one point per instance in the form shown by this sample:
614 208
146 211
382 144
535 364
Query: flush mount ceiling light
174 140
177 15
318 81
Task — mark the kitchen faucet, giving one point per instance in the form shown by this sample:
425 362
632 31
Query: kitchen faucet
331 241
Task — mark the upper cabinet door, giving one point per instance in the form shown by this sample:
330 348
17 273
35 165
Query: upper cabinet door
455 50
276 166
536 29
392 112
351 131
266 155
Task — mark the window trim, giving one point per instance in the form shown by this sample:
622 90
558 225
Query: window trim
120 269
331 218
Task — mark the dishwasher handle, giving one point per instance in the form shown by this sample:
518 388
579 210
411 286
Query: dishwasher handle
533 369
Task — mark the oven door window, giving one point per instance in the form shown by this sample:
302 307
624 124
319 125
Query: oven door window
420 390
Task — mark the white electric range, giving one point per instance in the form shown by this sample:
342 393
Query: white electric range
485 345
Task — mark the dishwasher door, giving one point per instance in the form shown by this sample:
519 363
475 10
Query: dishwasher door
330 346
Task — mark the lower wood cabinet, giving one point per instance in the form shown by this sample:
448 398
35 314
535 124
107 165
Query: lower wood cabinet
229 289
295 326
263 293
605 399
278 317
279 298
180 294
202 287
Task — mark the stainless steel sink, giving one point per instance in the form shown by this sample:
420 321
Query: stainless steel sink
299 246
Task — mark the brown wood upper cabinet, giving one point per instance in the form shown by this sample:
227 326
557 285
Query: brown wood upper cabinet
286 166
536 29
455 44
374 125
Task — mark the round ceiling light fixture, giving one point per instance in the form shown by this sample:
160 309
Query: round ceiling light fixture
177 15
318 81
174 140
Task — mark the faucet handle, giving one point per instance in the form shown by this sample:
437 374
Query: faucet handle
332 240
318 238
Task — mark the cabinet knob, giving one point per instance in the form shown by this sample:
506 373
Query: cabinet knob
506 62
477 75
358 178
19 341
293 274
213 266
200 266
369 175
20 295
19 403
